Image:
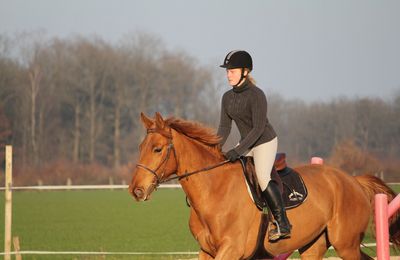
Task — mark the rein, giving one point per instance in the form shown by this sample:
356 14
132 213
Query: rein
159 179
187 174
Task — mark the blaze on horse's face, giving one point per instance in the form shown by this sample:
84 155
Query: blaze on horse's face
155 156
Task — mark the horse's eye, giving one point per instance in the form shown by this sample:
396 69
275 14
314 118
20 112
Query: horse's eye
157 150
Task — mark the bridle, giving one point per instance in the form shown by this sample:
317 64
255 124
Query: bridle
170 147
158 178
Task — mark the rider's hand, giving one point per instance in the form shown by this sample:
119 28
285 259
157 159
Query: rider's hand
232 155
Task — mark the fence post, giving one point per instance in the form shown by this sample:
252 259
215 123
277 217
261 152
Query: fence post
17 248
8 204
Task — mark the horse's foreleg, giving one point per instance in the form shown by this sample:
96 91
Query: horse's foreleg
204 256
229 251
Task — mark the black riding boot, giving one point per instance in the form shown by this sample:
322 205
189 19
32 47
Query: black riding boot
274 200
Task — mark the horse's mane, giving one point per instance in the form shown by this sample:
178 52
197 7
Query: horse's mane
196 131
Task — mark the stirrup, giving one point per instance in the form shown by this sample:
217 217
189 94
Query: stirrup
275 234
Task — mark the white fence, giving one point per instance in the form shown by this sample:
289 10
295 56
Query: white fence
84 187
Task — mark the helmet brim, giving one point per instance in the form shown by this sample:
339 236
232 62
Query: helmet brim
228 66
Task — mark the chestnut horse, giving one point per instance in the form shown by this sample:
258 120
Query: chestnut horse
223 218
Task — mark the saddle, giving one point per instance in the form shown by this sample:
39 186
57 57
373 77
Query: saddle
293 189
294 192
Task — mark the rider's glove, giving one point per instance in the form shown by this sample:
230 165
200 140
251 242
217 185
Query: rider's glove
232 155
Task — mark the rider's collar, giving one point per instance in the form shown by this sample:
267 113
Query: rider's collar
243 87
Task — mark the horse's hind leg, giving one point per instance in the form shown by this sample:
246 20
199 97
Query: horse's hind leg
347 246
349 253
346 241
346 228
315 250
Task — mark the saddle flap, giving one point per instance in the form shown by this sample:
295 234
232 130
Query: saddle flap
291 185
294 189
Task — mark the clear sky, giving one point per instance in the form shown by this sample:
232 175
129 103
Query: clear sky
311 49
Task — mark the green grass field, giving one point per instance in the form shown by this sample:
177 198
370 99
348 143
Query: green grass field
109 221
100 221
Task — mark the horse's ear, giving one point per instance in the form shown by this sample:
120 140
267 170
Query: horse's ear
147 122
160 123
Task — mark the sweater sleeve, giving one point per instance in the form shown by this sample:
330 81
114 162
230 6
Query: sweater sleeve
225 123
259 119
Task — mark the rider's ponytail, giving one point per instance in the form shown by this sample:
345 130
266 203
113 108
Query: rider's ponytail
250 77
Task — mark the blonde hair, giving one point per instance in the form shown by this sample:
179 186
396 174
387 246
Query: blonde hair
250 77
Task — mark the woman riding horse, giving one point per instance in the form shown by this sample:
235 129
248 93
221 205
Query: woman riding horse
246 104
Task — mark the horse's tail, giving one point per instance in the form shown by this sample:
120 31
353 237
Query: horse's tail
373 185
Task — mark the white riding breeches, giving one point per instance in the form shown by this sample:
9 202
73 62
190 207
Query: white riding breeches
264 158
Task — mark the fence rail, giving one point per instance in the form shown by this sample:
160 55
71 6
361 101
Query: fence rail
84 187
96 253
31 252
99 187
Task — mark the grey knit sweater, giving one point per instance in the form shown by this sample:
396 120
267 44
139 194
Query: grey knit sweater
247 106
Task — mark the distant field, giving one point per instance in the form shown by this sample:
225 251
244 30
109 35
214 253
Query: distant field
396 188
102 221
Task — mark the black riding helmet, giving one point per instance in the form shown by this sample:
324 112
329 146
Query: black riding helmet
238 59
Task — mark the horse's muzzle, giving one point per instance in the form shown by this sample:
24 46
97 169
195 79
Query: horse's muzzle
139 193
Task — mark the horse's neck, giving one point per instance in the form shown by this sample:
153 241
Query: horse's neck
193 156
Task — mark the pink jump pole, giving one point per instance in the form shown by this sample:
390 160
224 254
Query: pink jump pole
382 227
394 205
282 256
317 160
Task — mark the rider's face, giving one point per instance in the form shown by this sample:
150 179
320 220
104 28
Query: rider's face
234 76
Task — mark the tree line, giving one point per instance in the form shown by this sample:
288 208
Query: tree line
78 100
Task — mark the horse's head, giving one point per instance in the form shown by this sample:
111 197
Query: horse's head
157 159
